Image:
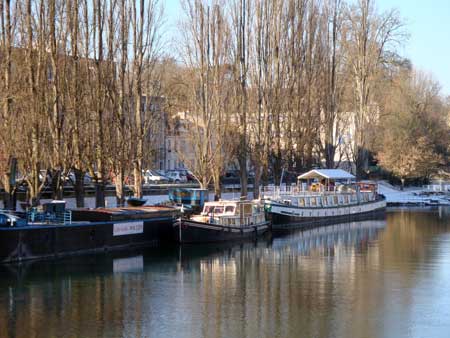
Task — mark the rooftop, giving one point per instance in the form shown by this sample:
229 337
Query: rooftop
333 174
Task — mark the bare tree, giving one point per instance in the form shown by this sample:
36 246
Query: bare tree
7 139
241 15
370 36
205 55
146 24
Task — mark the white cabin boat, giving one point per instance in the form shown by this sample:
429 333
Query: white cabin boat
223 221
321 194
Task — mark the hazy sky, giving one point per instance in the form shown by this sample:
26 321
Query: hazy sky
427 22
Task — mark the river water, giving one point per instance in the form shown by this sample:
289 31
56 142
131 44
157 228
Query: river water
380 278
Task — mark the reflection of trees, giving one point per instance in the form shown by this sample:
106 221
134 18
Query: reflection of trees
73 303
404 240
289 288
322 284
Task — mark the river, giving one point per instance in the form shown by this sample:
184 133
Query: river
379 278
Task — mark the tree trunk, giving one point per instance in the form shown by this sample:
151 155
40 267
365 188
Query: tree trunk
137 179
57 185
120 193
33 186
217 187
99 193
243 175
79 187
361 162
99 114
257 182
9 195
330 150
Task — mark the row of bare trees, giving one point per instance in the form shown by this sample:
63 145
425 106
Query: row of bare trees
287 84
78 82
271 85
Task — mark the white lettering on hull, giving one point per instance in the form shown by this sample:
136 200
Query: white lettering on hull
128 228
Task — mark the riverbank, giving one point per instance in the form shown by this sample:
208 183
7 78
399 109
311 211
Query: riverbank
157 193
153 193
412 196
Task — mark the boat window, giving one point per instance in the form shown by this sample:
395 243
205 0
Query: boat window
313 201
301 202
324 200
218 209
336 200
247 209
229 209
208 209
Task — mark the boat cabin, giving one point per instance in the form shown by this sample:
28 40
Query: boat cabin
232 213
324 180
321 188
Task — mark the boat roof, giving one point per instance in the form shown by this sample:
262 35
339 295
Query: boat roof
334 174
223 202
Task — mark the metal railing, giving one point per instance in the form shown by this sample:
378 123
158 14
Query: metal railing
304 198
444 187
34 216
277 191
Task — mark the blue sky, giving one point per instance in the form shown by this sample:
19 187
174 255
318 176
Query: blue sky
427 22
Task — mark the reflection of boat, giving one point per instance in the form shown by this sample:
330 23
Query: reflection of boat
345 234
322 194
136 202
223 221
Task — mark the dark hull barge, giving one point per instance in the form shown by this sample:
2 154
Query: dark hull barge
188 231
89 230
321 196
284 216
223 221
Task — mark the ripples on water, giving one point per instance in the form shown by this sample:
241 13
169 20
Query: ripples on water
378 278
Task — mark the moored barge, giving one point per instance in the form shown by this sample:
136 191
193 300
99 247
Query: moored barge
223 221
68 232
321 195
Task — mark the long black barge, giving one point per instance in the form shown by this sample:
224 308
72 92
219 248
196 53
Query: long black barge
291 224
90 230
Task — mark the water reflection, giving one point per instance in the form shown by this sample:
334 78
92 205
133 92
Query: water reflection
379 278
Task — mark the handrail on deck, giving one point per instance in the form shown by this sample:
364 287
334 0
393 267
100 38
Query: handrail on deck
50 218
275 192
